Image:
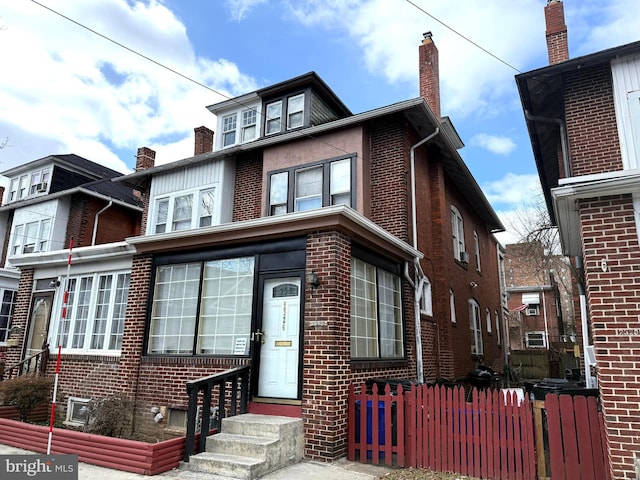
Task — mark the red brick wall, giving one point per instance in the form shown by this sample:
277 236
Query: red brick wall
389 176
591 121
114 224
609 233
21 313
247 194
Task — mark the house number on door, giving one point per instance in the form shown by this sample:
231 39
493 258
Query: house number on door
284 315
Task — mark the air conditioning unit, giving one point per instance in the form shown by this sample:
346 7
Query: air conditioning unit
41 187
464 257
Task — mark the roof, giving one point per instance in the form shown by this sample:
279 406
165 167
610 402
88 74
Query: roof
70 161
541 95
416 111
310 79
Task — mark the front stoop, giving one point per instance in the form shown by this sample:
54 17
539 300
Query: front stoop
251 446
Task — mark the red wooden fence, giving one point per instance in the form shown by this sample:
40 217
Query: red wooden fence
435 427
576 446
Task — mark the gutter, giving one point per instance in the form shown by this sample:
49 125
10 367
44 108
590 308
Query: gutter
95 222
563 137
419 274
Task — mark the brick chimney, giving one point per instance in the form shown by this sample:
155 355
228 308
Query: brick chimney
146 158
429 74
203 140
557 43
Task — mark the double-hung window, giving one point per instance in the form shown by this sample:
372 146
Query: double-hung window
311 186
202 308
291 118
376 312
249 124
6 313
95 312
31 237
274 118
229 125
476 244
178 212
475 323
457 229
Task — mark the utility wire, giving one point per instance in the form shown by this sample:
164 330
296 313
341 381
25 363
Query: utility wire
161 65
462 36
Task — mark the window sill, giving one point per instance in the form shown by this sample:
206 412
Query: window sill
383 363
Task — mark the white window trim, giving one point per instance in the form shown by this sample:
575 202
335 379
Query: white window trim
91 316
40 243
475 325
426 300
452 306
457 231
195 210
536 333
488 317
499 338
70 403
532 310
240 127
476 242
25 181
9 314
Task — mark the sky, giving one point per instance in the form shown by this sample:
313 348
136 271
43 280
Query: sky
67 89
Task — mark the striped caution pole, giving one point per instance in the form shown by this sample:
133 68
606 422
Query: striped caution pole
55 383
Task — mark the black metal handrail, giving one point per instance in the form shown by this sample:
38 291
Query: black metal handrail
38 361
235 376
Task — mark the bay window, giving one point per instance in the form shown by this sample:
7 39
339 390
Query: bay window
31 237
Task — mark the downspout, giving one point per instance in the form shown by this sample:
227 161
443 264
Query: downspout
419 274
95 222
563 137
589 380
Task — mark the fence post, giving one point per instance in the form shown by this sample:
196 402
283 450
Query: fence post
538 407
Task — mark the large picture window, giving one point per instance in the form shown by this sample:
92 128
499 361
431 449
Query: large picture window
202 307
95 312
376 312
312 186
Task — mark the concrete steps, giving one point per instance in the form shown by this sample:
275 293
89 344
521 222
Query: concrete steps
251 446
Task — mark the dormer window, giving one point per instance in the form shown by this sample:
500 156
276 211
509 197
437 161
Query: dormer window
274 118
295 111
229 130
29 184
238 127
292 118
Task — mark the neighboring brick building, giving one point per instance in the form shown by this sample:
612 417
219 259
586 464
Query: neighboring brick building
316 246
583 116
50 201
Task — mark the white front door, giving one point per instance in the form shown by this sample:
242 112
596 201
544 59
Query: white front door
280 341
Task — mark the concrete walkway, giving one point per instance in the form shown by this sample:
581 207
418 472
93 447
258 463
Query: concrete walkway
340 470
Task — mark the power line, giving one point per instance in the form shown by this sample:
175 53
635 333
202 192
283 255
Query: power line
462 36
161 65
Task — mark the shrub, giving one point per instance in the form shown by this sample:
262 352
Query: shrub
111 416
26 392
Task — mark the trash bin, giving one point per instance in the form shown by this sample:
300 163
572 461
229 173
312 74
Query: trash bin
560 386
369 420
381 383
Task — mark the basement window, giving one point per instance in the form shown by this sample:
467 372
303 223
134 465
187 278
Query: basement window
77 411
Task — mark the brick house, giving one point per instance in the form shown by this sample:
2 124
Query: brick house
583 116
317 246
48 202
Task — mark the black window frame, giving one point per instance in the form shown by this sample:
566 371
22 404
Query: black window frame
326 181
284 113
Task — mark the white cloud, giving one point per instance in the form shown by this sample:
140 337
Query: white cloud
494 143
98 97
512 190
239 9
